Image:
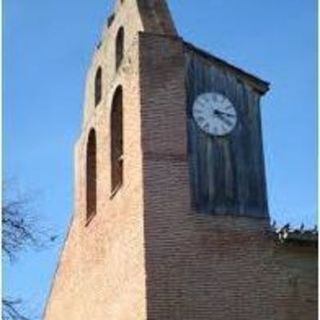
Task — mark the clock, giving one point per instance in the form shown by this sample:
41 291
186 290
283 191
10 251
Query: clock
214 114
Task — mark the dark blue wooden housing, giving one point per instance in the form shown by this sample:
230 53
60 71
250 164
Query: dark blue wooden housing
227 173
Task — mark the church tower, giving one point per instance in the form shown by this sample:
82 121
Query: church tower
171 218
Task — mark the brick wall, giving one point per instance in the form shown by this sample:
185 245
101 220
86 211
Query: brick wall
297 281
197 266
146 254
101 273
101 270
203 266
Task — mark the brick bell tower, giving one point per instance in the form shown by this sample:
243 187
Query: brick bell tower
171 218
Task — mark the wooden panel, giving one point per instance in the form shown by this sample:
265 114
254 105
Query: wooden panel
227 173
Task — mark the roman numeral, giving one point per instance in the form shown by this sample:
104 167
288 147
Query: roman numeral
227 122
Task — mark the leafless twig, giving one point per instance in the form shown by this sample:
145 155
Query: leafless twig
11 310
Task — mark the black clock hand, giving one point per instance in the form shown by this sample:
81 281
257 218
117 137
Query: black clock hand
218 112
226 121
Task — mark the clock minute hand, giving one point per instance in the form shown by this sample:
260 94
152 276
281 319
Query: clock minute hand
218 112
220 116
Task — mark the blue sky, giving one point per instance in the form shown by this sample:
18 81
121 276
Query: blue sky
47 50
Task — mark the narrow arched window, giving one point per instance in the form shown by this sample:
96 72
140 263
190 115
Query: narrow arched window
119 47
98 86
91 175
117 141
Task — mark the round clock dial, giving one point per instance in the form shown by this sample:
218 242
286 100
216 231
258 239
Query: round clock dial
214 114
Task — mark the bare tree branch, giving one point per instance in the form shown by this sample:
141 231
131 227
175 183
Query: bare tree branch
11 310
17 230
20 231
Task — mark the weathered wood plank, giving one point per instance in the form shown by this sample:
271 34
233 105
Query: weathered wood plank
227 173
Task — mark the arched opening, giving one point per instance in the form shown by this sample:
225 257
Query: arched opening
119 47
91 175
117 141
98 86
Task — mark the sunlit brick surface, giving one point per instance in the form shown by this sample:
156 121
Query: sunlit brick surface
146 255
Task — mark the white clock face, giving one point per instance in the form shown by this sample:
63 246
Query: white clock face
214 114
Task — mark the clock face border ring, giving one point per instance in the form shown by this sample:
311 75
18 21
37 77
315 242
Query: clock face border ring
214 114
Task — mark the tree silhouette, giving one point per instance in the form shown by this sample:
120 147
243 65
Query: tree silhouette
20 232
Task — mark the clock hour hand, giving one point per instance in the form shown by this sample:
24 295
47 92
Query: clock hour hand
222 117
218 112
